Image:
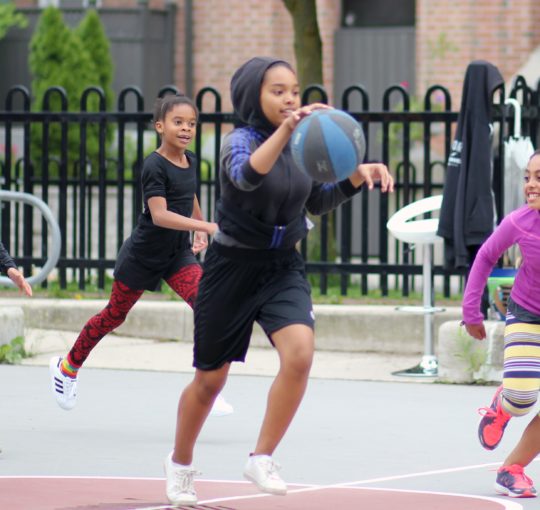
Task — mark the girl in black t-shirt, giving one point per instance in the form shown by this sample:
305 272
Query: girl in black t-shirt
158 248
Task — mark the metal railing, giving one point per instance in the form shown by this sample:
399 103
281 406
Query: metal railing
56 238
97 203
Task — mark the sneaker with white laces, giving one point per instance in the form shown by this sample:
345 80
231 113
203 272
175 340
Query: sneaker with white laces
512 481
221 407
180 489
262 470
63 387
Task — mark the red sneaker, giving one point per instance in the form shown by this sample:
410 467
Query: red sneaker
512 481
493 422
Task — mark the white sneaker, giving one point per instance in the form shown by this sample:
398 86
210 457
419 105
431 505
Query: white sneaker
221 407
63 387
180 490
262 471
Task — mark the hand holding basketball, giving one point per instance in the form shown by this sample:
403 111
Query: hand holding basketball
304 111
328 145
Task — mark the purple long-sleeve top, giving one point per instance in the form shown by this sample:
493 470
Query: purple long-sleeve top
521 226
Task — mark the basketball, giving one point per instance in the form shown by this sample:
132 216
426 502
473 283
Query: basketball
328 145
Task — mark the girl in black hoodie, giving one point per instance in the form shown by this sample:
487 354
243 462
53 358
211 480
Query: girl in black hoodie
252 270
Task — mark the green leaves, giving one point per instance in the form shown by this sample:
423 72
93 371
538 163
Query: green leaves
72 60
14 352
9 17
472 352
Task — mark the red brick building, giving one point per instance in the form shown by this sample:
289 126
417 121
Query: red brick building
448 35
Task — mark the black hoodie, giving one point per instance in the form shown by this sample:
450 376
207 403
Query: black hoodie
265 211
6 261
467 214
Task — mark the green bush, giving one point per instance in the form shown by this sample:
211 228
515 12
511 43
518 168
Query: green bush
93 38
9 17
14 352
92 35
62 57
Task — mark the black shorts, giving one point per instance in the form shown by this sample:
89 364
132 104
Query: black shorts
139 275
242 286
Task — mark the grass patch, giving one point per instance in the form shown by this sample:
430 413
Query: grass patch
375 297
13 352
333 295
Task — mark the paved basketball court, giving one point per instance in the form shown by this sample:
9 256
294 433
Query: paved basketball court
354 444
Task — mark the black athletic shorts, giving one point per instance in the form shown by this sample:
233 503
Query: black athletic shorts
140 275
240 286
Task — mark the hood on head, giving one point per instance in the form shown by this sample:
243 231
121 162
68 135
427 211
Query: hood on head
246 90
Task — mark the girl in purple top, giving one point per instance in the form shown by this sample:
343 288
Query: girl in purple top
521 373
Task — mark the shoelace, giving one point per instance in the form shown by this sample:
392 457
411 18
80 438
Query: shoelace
491 413
271 468
68 384
517 471
184 480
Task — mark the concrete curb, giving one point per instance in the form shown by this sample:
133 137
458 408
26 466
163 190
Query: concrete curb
462 359
351 328
12 322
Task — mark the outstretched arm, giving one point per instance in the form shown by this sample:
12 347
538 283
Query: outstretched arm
369 173
497 243
326 196
168 219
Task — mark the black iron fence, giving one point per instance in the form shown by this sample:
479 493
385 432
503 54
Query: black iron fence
97 202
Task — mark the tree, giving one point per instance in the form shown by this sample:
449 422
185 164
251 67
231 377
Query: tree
308 53
93 38
92 35
58 58
307 41
9 17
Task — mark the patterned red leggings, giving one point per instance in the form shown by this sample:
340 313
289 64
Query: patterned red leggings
184 282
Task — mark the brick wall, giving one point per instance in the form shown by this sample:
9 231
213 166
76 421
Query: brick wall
226 34
452 33
449 34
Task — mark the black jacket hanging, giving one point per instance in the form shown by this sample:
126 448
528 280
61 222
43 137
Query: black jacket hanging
467 215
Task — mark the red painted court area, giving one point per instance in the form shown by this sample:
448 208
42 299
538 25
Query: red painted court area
74 493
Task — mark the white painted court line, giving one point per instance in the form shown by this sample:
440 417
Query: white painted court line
315 488
507 504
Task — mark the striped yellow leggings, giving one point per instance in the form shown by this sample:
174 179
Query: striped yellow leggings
521 371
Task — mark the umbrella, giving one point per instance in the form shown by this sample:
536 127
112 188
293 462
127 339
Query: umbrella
517 151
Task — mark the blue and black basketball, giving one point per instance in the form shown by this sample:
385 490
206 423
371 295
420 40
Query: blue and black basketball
328 145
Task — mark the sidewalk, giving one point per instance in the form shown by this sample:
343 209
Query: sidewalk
129 353
355 342
347 328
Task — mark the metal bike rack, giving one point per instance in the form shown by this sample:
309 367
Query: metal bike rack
56 240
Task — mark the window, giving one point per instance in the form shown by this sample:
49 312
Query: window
382 13
70 3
